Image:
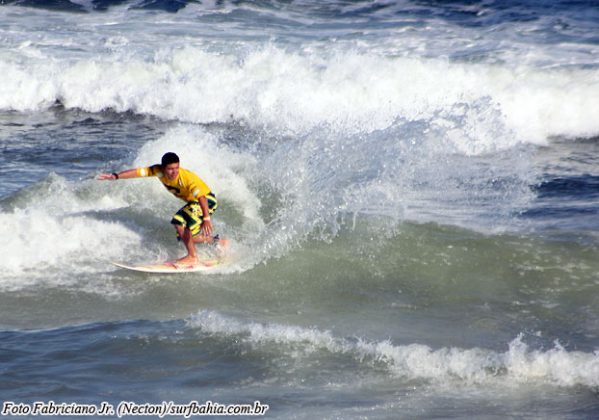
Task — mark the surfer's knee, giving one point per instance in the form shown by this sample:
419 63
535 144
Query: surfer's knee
202 239
183 233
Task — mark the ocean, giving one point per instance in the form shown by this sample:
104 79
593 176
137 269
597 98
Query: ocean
410 189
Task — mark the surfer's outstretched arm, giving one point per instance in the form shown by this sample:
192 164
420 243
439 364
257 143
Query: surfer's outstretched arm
129 173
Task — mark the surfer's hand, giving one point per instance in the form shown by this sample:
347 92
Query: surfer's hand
104 177
207 228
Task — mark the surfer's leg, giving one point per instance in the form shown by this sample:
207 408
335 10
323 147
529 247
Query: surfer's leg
220 244
187 238
188 222
203 239
185 222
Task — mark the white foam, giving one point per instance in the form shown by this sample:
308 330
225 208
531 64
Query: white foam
294 92
53 228
556 366
44 242
533 89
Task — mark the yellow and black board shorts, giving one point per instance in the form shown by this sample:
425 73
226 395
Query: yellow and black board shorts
190 215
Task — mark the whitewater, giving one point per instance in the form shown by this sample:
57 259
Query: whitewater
411 190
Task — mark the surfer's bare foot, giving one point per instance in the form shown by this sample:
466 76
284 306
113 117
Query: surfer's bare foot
187 260
222 244
221 248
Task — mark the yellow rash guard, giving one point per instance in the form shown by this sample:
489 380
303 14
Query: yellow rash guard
187 186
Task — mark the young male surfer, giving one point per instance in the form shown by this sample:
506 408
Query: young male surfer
192 221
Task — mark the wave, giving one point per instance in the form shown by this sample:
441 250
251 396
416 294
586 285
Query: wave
519 363
478 107
276 193
58 230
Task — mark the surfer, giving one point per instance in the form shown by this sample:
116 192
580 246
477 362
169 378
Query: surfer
192 222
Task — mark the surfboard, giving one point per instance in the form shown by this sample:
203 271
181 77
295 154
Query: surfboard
172 267
205 263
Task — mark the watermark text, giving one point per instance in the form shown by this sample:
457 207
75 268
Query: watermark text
131 408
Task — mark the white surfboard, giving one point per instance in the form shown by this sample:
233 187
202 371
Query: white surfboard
207 263
172 267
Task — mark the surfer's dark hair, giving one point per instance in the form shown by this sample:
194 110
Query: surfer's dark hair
169 158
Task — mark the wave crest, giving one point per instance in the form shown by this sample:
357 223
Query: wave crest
293 93
556 366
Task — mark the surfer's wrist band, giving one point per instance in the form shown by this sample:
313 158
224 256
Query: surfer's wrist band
206 218
116 176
